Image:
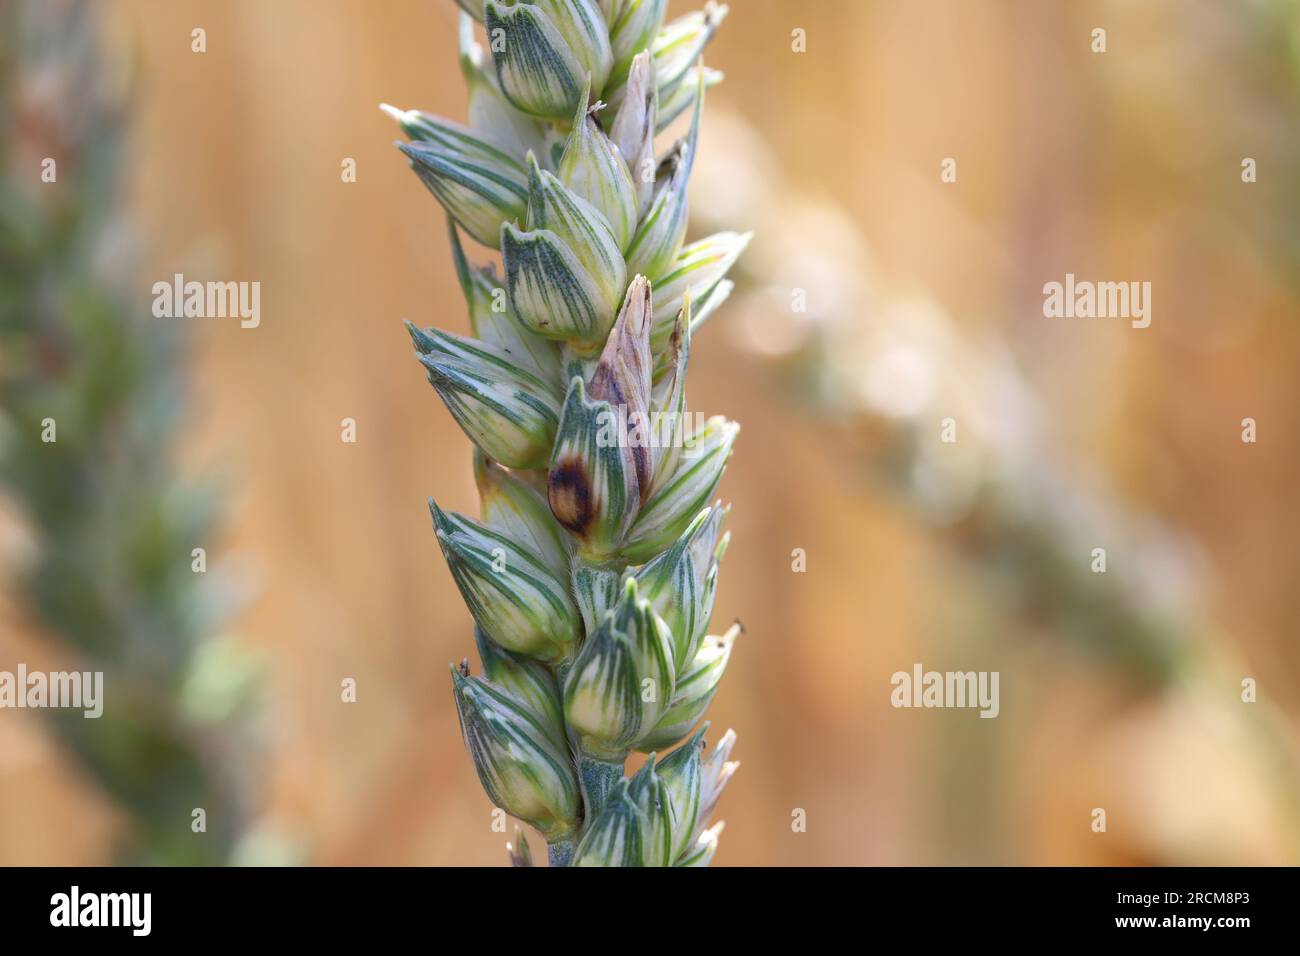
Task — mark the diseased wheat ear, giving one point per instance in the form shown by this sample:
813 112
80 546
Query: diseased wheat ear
592 572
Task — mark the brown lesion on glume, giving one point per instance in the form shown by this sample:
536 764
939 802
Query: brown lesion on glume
643 466
569 493
604 386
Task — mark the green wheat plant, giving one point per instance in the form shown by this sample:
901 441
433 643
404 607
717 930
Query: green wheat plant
592 572
91 409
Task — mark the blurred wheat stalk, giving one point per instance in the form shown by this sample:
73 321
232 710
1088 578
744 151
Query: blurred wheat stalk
108 523
883 369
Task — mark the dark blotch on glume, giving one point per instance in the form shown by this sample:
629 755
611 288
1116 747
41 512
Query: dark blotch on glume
570 495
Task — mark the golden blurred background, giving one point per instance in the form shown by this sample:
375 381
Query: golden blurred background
1123 165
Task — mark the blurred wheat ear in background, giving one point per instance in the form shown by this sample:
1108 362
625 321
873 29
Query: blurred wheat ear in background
102 527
